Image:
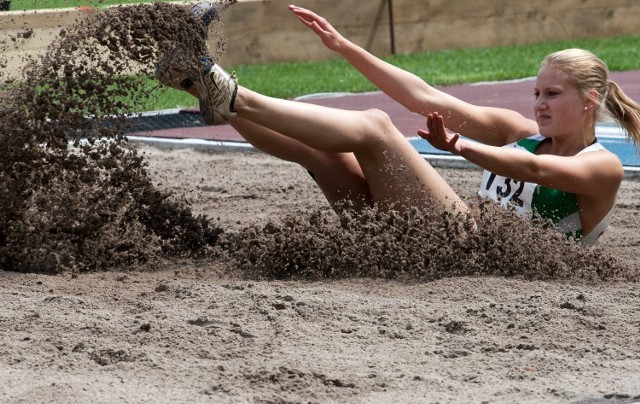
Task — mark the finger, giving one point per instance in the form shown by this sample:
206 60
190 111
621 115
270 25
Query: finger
308 14
439 120
312 25
301 15
295 8
423 134
438 124
311 16
317 28
453 148
305 22
432 123
429 121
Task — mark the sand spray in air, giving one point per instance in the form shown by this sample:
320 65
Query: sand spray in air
92 206
416 245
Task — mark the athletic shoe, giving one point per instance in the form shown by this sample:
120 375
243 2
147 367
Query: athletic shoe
210 115
177 68
218 90
207 11
170 70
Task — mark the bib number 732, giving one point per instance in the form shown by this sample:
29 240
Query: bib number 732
510 189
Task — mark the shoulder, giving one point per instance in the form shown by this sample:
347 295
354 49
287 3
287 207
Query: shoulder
601 166
597 146
596 174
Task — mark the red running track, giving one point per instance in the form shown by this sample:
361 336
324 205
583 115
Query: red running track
516 95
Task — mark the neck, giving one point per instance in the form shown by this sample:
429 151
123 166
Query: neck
570 145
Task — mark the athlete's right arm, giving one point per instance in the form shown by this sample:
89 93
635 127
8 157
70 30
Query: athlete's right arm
494 126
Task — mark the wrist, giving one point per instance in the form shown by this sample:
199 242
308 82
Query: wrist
346 48
460 148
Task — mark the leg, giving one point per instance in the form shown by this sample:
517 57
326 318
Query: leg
338 175
396 175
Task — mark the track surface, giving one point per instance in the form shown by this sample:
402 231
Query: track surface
516 95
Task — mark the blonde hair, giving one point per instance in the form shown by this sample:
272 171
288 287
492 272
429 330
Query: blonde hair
588 72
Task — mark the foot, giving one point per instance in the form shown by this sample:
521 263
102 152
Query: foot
217 90
178 70
171 70
206 11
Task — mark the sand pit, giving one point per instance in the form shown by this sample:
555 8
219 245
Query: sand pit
197 331
147 275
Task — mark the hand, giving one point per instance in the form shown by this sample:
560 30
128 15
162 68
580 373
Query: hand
438 136
329 36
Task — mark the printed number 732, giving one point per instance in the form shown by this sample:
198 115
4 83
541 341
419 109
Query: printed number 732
507 189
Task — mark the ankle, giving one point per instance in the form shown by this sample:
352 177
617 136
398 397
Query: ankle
238 101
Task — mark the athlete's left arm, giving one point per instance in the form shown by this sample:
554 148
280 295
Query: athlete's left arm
592 174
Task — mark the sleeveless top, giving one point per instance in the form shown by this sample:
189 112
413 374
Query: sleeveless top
528 198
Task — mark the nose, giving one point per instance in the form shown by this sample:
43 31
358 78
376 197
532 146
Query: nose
539 104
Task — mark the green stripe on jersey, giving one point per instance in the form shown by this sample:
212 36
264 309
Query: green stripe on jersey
552 204
529 144
549 203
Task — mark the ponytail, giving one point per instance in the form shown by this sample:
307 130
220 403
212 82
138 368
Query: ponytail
624 110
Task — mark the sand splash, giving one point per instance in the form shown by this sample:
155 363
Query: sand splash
416 245
92 206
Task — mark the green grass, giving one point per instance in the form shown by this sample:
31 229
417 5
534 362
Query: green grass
287 80
41 4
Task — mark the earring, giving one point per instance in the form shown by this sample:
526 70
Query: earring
586 108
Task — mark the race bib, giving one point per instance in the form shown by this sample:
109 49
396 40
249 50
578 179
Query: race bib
507 192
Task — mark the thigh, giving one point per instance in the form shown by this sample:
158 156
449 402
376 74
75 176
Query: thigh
341 180
338 175
399 178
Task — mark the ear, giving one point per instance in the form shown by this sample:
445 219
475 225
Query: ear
591 99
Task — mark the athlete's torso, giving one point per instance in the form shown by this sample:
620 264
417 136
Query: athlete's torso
528 198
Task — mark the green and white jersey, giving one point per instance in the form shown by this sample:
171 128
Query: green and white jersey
527 198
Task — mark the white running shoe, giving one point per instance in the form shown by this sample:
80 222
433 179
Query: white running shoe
171 69
207 11
218 90
175 69
212 108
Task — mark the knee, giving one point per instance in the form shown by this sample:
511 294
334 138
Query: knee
379 124
378 118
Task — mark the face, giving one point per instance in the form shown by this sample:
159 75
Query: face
559 108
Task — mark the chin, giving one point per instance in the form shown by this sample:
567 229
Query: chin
547 131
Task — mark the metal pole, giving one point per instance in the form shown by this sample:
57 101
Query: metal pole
392 35
376 23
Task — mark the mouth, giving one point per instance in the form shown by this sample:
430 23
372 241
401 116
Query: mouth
542 118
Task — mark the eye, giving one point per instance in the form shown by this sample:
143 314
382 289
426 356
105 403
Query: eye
536 94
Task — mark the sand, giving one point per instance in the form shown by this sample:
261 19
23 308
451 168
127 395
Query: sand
183 276
197 331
